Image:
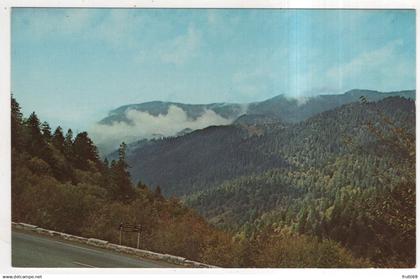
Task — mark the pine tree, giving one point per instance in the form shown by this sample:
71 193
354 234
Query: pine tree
46 131
16 125
84 151
68 146
34 140
121 154
121 176
58 139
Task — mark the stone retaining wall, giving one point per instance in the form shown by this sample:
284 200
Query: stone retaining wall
115 247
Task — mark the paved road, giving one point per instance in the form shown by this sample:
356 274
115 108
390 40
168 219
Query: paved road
32 250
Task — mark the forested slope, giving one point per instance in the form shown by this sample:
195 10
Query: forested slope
182 165
331 176
353 168
205 158
59 183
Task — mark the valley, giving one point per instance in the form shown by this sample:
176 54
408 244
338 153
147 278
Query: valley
315 177
339 178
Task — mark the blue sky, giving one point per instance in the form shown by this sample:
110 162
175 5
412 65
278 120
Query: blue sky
72 66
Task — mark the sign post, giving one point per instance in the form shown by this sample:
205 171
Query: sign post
121 228
130 228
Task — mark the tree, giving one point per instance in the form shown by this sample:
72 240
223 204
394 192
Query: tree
46 131
84 151
68 145
16 125
58 139
120 177
34 140
122 150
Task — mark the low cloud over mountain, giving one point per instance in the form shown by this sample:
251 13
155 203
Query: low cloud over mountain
142 124
157 119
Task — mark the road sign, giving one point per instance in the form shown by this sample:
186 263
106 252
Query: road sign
129 227
126 227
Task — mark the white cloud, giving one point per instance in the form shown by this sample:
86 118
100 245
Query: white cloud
300 100
118 27
180 49
384 68
145 125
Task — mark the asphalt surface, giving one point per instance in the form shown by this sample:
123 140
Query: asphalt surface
32 250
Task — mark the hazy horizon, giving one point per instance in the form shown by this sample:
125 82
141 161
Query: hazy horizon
259 100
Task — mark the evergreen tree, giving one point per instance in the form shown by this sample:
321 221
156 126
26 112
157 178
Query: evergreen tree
58 139
46 131
121 176
16 125
68 145
122 150
84 151
34 139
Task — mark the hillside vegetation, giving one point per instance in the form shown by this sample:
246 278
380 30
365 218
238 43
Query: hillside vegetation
345 174
59 182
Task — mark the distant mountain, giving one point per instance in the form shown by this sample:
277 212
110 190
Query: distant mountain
204 158
323 176
315 152
184 132
294 110
279 109
156 108
285 108
185 164
257 119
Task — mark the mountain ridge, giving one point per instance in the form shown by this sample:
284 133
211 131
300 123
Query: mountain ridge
182 165
278 108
